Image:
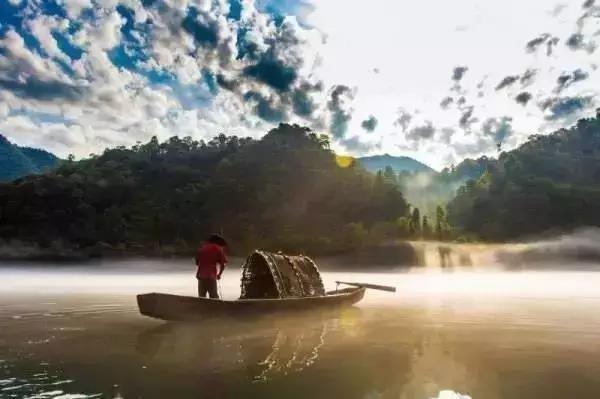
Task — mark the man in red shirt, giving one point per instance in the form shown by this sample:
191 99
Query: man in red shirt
211 261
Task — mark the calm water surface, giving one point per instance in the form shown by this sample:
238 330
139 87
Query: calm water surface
473 333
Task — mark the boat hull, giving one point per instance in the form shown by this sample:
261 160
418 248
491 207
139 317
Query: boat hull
185 308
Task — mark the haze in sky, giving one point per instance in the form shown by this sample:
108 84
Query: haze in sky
438 81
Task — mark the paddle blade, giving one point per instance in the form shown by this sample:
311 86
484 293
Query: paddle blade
370 286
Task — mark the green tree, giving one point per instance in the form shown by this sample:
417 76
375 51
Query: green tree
441 224
427 231
284 191
551 182
415 223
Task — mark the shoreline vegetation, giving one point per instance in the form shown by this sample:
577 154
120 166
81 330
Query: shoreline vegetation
400 254
289 192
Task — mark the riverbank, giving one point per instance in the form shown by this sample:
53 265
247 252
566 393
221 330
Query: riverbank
391 254
579 247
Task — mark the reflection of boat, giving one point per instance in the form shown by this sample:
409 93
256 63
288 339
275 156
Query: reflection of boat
270 283
180 308
262 350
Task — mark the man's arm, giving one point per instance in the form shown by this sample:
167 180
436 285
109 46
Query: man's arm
222 262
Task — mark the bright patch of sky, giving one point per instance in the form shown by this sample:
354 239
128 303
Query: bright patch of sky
438 81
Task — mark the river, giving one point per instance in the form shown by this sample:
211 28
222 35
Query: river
70 332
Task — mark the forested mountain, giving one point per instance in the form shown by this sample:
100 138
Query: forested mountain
550 182
424 187
398 164
288 191
285 191
18 161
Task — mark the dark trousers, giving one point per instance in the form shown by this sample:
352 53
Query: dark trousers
207 286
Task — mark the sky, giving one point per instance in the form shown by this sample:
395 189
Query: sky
439 81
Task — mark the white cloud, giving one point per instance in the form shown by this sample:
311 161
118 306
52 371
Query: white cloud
103 33
19 63
416 46
4 109
109 104
413 47
74 7
42 28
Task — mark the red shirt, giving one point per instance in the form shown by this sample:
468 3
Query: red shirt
207 258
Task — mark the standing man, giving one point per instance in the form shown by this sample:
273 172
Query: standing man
211 261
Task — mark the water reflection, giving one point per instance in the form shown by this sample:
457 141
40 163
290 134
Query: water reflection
266 348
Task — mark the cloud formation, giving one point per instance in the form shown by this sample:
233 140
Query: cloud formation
369 124
423 132
564 107
459 72
212 65
544 39
77 76
567 79
356 145
528 77
507 81
523 98
446 102
533 44
498 129
467 119
403 120
341 111
577 42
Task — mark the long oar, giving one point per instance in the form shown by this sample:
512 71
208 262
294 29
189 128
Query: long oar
370 286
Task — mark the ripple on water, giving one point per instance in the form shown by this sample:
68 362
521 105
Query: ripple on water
40 386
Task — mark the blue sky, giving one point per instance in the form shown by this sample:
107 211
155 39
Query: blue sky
439 81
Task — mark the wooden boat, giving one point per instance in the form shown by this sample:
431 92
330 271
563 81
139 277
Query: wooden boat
270 283
185 308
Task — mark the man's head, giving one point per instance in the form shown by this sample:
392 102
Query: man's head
217 239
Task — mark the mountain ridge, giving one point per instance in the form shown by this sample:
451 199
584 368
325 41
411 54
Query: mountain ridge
16 161
375 163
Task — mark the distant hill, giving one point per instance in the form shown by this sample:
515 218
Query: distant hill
398 164
18 161
424 187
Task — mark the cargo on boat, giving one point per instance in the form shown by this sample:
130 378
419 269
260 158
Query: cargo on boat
271 282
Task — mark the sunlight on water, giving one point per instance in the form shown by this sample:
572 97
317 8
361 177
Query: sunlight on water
451 395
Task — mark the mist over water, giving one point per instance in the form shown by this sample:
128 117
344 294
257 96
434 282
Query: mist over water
469 322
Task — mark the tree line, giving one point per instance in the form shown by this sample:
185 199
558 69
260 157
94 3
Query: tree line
287 191
549 184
